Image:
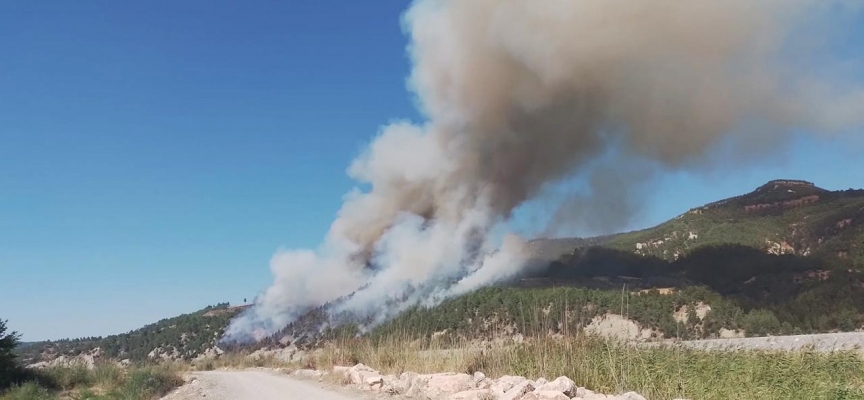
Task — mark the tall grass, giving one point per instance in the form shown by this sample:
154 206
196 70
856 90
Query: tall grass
28 391
658 373
146 383
104 382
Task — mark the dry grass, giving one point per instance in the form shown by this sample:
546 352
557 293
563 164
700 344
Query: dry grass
611 367
105 382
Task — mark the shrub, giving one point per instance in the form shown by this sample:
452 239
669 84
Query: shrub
760 323
28 391
71 377
148 383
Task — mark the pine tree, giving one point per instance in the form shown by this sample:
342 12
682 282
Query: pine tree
8 363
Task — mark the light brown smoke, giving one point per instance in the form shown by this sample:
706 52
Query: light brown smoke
519 94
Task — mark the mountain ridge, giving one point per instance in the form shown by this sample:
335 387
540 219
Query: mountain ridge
782 216
789 253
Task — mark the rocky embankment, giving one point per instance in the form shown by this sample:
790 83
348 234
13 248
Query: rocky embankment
456 386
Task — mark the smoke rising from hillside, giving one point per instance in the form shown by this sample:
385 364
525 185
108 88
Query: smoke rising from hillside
520 94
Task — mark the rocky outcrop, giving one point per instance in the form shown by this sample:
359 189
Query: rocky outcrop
288 354
456 386
782 204
87 360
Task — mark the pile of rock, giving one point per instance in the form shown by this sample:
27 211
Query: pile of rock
455 386
286 355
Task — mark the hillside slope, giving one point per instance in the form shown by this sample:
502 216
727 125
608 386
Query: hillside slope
780 217
182 337
785 258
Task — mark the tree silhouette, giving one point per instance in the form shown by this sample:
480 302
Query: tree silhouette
8 365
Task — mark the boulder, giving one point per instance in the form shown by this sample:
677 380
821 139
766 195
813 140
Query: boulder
307 373
359 373
550 395
374 382
342 371
392 385
594 396
630 396
414 383
562 384
512 380
442 385
518 390
476 394
486 383
505 383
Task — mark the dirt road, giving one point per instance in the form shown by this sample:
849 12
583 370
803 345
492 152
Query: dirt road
826 342
252 385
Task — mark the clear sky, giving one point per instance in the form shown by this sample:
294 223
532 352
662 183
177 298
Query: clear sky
154 155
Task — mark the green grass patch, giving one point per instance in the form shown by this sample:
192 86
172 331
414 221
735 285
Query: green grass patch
104 382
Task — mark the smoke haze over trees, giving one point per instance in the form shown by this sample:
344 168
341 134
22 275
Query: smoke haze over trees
520 95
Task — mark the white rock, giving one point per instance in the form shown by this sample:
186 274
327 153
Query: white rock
512 380
477 394
392 385
375 382
550 395
360 372
341 371
594 396
486 383
415 383
440 385
307 373
517 391
562 384
630 396
505 383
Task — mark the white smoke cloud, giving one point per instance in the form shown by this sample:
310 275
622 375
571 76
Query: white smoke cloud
520 94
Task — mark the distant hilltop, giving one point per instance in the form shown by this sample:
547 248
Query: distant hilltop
777 183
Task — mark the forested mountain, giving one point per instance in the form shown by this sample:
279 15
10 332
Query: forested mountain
785 258
780 217
182 337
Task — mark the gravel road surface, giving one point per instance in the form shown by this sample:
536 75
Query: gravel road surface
252 385
828 342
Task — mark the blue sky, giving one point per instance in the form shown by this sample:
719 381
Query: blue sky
154 155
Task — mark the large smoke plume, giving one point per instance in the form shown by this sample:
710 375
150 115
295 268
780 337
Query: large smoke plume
521 94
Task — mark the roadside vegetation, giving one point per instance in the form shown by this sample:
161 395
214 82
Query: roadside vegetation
106 381
662 373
